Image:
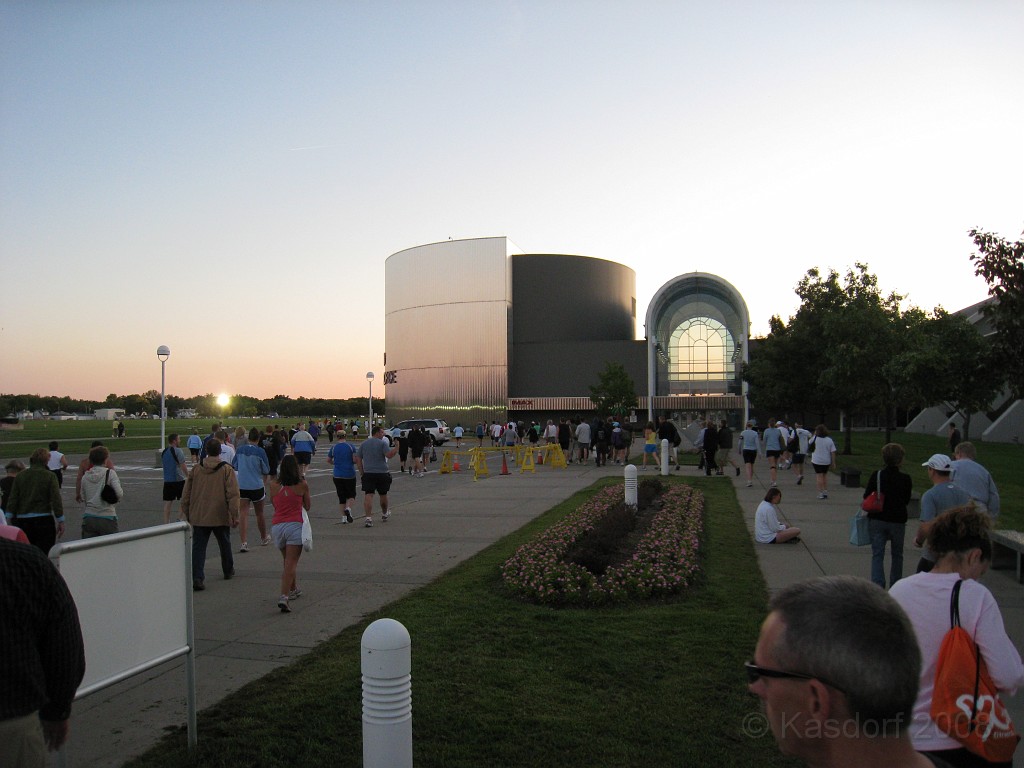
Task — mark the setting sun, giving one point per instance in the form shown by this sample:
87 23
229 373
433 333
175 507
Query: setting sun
223 400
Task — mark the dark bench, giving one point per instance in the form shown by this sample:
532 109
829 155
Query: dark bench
1012 540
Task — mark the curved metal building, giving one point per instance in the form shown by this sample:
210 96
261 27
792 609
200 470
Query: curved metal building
476 330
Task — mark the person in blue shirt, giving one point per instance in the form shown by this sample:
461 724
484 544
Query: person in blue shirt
372 463
173 460
303 446
195 443
941 496
748 446
342 457
774 445
252 465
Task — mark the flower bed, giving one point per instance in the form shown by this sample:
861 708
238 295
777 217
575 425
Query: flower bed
665 561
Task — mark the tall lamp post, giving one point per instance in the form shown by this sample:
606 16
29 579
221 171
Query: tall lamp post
162 352
369 425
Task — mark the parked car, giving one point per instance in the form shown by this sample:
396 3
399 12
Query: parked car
436 428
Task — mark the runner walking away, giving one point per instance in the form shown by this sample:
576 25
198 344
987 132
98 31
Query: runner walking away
372 463
802 436
289 494
342 457
749 444
253 466
303 446
724 455
195 443
417 442
175 472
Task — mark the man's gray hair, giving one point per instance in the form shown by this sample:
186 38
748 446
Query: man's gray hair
849 633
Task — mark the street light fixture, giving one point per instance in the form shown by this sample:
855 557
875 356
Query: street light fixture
369 425
163 352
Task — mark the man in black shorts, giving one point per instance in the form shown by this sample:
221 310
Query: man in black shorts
175 472
372 462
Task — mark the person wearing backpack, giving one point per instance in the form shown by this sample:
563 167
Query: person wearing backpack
959 538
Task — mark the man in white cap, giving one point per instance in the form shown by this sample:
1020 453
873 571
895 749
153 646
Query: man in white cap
941 496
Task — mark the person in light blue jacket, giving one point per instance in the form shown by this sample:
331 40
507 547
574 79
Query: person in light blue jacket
253 466
749 444
303 446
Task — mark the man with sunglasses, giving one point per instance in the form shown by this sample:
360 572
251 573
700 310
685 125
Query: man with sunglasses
836 668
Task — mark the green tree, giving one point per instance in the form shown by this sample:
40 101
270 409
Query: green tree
1001 263
615 393
954 366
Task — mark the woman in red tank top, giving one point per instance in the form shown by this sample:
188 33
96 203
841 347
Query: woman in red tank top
290 495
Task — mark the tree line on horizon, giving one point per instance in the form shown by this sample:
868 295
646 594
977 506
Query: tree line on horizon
205 405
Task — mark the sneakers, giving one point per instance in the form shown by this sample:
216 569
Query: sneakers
266 540
244 547
823 495
295 594
348 517
773 484
282 603
749 485
368 523
799 479
384 516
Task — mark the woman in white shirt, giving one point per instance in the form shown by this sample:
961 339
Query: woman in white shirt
959 538
58 463
767 528
823 458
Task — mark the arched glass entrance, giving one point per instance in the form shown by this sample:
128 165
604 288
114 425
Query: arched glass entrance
697 327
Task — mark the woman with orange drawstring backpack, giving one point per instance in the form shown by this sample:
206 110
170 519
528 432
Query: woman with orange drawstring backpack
960 542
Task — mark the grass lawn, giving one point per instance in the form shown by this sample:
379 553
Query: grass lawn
76 436
497 682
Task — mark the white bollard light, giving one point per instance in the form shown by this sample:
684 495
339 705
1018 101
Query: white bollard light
665 456
630 474
387 695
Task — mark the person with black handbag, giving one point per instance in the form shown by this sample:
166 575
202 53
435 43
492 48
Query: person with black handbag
101 491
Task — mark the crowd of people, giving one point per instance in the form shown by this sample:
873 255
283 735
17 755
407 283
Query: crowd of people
816 660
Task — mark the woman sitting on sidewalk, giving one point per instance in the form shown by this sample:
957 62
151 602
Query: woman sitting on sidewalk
767 528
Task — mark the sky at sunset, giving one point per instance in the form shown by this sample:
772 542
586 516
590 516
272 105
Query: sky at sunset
228 178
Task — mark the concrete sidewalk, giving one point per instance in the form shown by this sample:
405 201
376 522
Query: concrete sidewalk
438 521
824 547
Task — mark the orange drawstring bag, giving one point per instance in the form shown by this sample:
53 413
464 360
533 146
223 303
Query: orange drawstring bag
965 702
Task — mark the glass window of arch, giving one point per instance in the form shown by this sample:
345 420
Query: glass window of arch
702 357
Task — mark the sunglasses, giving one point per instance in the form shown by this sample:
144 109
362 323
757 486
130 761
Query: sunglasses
755 673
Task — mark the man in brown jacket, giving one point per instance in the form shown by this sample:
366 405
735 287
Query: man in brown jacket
210 505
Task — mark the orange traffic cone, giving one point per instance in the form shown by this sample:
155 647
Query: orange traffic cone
540 457
456 467
504 465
